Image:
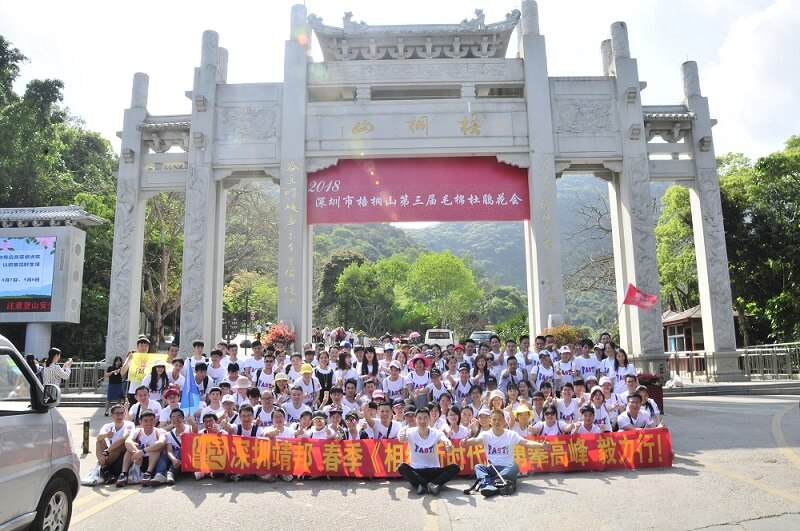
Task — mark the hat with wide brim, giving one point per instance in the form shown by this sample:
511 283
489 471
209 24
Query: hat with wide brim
242 382
419 356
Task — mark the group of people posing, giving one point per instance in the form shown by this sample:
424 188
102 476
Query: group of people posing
426 396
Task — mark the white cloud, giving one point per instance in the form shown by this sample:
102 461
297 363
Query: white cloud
756 81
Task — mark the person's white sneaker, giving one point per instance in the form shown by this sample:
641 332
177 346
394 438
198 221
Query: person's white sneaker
199 475
170 478
287 477
158 479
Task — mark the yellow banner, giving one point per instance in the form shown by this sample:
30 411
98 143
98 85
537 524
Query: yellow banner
141 364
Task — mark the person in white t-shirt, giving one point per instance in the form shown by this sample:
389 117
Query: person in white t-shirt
649 404
111 444
635 418
551 425
181 424
145 447
309 384
216 371
176 377
423 470
172 397
278 430
295 407
587 424
143 403
499 444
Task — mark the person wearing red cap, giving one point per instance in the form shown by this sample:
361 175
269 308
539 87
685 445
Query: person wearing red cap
172 397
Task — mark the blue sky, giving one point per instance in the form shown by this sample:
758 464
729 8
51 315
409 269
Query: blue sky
746 50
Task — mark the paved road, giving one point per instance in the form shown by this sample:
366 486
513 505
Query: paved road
737 466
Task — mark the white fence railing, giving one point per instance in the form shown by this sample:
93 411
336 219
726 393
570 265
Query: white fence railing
780 361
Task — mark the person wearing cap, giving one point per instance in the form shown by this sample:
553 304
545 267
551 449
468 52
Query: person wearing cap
142 347
564 367
436 387
172 397
110 445
496 399
614 405
418 379
143 403
423 470
398 405
537 401
649 404
602 419
460 387
385 427
483 417
319 427
213 404
544 371
144 446
634 417
378 396
394 385
229 413
499 444
586 425
388 357
352 431
309 384
278 430
409 417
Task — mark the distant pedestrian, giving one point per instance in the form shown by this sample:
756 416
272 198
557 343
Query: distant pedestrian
114 376
53 373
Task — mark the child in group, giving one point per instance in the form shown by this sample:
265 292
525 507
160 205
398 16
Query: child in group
319 429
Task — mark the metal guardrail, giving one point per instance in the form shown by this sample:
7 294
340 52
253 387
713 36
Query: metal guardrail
85 377
690 365
779 361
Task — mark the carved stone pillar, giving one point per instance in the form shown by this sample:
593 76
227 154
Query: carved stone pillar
201 236
632 214
294 248
542 238
126 265
719 337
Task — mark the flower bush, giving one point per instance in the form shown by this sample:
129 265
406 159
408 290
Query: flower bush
647 378
565 334
281 332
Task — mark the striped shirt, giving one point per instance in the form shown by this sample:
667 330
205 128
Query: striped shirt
54 374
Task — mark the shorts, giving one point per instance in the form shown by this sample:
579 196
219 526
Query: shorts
114 392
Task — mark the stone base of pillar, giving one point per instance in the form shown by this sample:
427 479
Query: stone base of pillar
656 364
724 367
554 319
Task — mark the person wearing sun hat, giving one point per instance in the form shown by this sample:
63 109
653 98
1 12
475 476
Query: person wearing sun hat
309 384
418 379
520 420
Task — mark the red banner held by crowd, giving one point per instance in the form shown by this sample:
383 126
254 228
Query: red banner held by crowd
418 189
380 458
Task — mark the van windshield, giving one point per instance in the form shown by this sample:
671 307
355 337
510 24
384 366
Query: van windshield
438 335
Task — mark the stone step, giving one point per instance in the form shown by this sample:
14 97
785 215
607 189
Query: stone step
750 388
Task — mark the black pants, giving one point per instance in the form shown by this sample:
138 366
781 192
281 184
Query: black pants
423 476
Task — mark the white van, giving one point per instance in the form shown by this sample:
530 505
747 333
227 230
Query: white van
439 336
39 472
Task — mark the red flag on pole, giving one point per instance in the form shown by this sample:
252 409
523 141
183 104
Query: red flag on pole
643 300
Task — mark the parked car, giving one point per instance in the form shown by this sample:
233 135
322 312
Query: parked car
39 472
479 336
439 336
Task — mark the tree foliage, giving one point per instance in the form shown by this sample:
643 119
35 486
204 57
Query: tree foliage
251 291
677 266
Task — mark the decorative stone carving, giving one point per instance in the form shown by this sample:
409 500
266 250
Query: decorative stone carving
691 79
530 17
583 116
520 160
619 40
716 258
320 163
124 236
208 55
248 123
360 72
478 22
194 246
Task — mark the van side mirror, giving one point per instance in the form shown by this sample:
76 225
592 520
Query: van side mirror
51 396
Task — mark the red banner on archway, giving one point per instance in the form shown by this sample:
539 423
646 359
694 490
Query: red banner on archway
418 189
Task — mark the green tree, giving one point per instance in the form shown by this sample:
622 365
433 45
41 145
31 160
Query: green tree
251 291
677 266
326 303
369 297
445 286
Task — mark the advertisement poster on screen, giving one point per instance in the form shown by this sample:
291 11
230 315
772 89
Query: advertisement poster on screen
26 273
